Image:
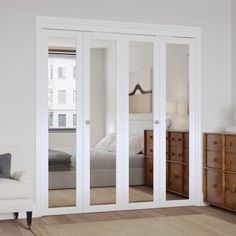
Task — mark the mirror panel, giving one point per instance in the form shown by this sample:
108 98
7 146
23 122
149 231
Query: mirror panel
62 122
177 120
141 122
103 122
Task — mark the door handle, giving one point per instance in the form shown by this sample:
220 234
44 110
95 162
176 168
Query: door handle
87 122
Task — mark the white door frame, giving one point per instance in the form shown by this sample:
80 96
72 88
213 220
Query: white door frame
76 25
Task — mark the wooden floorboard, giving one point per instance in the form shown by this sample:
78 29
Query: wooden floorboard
18 227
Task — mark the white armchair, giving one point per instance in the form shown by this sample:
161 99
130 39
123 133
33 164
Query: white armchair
16 193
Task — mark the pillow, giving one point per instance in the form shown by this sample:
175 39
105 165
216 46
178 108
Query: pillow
5 165
105 143
136 145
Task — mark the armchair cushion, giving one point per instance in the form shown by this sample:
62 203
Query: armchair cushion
17 188
5 165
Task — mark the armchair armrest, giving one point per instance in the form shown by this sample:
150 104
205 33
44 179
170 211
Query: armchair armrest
23 177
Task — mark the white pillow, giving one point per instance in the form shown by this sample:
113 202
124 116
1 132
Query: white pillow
105 143
136 144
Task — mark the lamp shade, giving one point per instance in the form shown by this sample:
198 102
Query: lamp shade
171 107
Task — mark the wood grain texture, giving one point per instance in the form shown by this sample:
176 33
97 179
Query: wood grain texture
19 227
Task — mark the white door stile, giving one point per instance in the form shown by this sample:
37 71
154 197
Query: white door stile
192 115
79 122
157 100
42 122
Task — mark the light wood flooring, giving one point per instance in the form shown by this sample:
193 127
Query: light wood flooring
18 228
104 195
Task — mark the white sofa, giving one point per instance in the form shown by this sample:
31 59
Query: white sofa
16 193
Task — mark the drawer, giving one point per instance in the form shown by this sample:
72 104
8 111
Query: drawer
230 143
186 156
214 142
176 154
149 149
214 186
176 139
149 171
186 180
230 162
175 177
230 192
214 159
186 140
149 136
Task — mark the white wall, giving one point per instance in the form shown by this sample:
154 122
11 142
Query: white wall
177 83
97 96
17 57
234 60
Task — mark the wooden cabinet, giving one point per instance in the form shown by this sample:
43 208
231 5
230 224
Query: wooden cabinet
177 159
220 169
148 156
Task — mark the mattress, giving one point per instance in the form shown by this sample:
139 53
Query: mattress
100 159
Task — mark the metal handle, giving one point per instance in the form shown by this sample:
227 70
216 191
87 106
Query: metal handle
87 122
156 122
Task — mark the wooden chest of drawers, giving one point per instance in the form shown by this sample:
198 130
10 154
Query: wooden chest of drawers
177 159
148 156
220 170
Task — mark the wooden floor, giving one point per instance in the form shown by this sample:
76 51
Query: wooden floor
18 228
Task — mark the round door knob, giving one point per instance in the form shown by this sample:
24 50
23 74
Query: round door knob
156 122
87 122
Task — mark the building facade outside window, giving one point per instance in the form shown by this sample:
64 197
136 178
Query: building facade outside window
50 119
62 120
74 119
61 72
61 96
61 92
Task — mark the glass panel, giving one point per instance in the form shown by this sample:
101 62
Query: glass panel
140 122
61 122
103 122
177 115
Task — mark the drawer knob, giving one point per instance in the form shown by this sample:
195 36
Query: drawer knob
230 144
215 159
179 139
173 139
151 136
229 162
215 142
173 153
151 150
179 155
151 171
214 185
233 190
176 176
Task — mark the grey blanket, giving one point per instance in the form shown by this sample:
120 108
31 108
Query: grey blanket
59 161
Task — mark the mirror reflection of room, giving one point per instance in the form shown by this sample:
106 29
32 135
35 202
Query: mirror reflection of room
62 122
177 115
140 122
103 122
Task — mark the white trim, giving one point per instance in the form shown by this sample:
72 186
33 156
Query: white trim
46 24
118 27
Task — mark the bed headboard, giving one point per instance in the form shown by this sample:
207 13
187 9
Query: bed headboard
138 124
